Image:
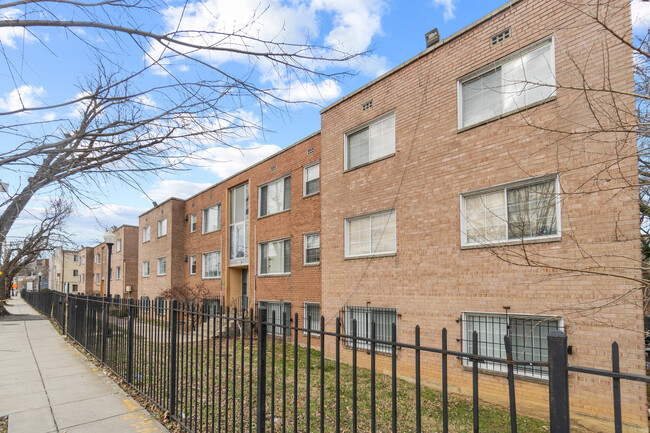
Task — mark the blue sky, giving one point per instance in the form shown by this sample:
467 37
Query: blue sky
51 63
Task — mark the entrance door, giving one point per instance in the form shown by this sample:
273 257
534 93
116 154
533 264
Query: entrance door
244 289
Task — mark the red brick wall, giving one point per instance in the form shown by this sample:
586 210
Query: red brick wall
431 280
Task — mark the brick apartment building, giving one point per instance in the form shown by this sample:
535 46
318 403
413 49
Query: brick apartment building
436 177
85 270
63 274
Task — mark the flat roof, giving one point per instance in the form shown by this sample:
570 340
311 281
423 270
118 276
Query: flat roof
426 52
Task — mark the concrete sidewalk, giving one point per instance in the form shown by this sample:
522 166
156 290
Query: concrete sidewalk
46 385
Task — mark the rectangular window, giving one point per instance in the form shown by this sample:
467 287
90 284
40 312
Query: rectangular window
312 248
509 84
98 259
160 305
146 234
211 265
162 266
193 222
311 317
275 257
97 279
211 218
383 318
75 273
517 211
528 335
370 142
162 227
118 273
75 288
239 224
371 234
282 313
275 196
145 268
192 265
118 245
75 258
311 179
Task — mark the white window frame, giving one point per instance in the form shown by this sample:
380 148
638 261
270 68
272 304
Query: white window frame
368 215
118 245
97 279
493 66
304 248
75 258
203 219
98 259
146 234
162 227
490 366
304 178
146 274
193 222
365 345
259 196
361 127
505 187
160 260
192 258
203 266
118 272
259 257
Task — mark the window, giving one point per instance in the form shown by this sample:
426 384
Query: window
514 82
211 265
275 257
312 248
192 265
370 142
528 335
211 218
275 196
146 234
282 312
98 259
160 305
162 266
193 222
311 179
383 318
239 225
145 302
145 268
83 278
517 211
118 245
371 234
75 287
75 273
97 278
75 258
312 311
162 227
118 273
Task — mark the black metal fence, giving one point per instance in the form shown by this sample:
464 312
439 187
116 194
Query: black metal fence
223 371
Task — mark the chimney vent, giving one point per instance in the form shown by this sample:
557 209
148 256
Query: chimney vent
432 37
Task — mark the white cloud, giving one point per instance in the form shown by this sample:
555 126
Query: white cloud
9 35
317 92
226 161
23 97
640 14
175 188
110 215
449 7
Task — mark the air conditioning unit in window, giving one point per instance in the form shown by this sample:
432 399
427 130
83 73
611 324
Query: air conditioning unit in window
128 289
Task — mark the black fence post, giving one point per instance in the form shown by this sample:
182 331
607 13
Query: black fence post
129 343
104 327
558 382
173 330
261 370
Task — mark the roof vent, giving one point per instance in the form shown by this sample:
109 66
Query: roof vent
500 37
366 105
432 37
273 168
310 151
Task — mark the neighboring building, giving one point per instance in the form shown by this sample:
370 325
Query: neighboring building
124 262
85 267
433 169
29 278
160 249
64 271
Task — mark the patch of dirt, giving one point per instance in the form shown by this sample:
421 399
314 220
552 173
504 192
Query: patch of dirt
4 424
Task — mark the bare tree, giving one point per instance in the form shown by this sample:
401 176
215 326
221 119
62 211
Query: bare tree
16 255
126 121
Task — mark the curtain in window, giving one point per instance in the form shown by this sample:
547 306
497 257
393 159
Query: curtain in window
275 197
532 211
485 217
384 235
312 248
211 265
238 240
211 218
239 222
